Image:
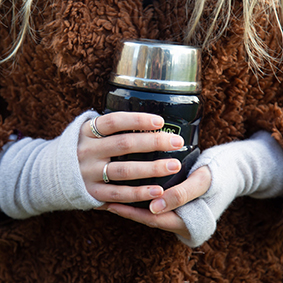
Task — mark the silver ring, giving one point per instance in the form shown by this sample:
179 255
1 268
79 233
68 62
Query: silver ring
104 175
94 128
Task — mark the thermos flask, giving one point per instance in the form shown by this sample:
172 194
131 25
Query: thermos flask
161 78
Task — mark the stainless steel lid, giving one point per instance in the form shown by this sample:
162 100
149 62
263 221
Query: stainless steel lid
158 66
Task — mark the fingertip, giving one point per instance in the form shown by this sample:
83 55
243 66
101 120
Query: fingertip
174 165
112 210
157 206
177 141
157 121
156 191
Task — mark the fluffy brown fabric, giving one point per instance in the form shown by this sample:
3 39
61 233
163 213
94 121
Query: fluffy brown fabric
64 73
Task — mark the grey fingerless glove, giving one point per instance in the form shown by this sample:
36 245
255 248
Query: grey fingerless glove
251 167
38 176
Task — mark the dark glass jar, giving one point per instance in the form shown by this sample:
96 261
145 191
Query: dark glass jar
164 79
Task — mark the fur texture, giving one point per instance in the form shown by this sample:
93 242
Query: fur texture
64 72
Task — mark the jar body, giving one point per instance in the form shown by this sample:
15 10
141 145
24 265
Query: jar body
181 113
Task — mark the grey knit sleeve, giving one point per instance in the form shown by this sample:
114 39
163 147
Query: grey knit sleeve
252 167
38 176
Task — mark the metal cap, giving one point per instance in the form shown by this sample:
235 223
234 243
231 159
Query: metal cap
159 66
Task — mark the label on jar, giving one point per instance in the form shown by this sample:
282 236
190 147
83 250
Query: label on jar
167 128
171 128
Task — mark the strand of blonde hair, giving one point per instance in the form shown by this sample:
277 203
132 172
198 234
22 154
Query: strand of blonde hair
257 51
24 17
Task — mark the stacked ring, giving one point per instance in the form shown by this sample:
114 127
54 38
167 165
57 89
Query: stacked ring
94 128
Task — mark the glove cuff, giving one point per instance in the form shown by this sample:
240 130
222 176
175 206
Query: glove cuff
249 167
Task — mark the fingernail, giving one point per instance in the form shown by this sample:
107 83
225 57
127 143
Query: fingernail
156 206
173 165
155 192
157 121
112 210
176 141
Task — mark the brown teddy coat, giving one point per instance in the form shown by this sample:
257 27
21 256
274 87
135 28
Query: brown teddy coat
62 72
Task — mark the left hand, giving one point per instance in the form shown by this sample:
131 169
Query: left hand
161 214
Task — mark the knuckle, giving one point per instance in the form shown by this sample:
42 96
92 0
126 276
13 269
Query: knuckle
180 195
204 176
138 121
156 168
123 171
137 195
83 152
115 195
157 141
152 222
110 121
203 173
84 129
124 142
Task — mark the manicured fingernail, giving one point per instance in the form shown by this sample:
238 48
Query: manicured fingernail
176 141
157 121
157 206
173 165
155 192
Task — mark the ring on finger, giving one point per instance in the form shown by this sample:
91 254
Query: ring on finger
104 175
94 129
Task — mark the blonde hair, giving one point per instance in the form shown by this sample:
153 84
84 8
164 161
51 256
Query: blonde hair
24 17
256 49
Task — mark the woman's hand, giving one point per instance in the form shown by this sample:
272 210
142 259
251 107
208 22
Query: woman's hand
241 168
161 214
94 153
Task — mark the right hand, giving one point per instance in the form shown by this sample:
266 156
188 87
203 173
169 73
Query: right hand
94 153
